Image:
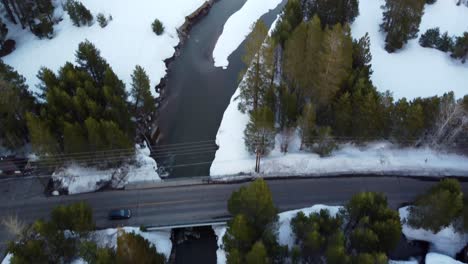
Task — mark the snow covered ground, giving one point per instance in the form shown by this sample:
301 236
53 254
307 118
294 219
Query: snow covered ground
378 157
128 40
415 71
435 258
447 241
411 72
78 179
238 27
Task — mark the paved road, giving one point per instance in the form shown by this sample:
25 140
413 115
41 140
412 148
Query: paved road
188 204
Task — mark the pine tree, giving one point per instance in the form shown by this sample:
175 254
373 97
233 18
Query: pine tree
88 57
78 13
42 140
460 50
15 101
133 248
291 17
307 125
332 12
334 64
257 255
445 43
343 116
144 106
430 38
439 207
401 22
259 75
259 135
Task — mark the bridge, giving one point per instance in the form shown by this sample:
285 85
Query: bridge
200 204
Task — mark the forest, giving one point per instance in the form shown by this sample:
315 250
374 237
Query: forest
311 76
365 230
83 108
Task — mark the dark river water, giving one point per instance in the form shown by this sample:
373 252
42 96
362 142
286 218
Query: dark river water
197 94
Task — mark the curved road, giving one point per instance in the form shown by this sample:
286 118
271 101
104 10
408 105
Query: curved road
200 203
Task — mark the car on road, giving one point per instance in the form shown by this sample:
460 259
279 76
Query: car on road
119 214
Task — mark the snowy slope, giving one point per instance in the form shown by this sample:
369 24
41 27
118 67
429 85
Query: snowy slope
238 27
78 179
127 41
415 71
447 241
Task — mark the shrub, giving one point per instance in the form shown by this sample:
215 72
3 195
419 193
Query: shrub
430 38
158 27
102 20
78 13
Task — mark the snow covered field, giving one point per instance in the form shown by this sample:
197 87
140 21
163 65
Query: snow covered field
78 179
238 27
411 72
415 71
447 241
128 40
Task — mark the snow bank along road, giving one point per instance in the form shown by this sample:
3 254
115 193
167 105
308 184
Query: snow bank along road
201 203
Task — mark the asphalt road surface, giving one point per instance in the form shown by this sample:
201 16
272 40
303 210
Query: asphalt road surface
198 203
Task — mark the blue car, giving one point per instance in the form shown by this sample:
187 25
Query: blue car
120 214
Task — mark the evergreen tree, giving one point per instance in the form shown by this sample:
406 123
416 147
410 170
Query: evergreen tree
371 226
332 12
460 50
307 125
79 14
133 248
401 22
334 64
301 56
15 101
145 106
102 20
259 135
288 108
445 43
85 110
289 19
430 38
324 143
157 27
343 116
439 207
257 255
250 237
259 75
255 202
88 58
37 15
408 122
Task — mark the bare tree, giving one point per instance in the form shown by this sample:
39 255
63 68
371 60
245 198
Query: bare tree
14 225
452 123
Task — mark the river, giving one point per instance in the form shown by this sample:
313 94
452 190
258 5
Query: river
197 94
